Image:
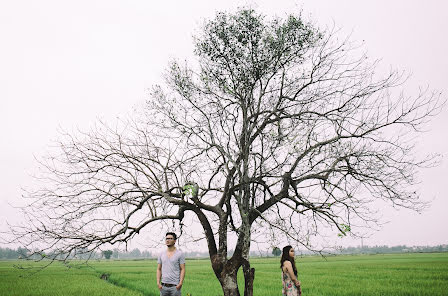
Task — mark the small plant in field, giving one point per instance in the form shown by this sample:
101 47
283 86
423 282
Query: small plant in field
105 276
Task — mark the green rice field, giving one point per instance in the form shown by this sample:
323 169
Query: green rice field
398 274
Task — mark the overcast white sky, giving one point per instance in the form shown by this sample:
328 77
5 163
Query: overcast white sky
67 63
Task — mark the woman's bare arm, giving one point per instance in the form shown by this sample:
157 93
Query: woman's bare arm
287 267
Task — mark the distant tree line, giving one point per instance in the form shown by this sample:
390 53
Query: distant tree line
275 251
393 249
8 253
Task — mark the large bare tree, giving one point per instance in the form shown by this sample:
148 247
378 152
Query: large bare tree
282 127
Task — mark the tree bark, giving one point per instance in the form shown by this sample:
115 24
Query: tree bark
227 270
230 285
249 275
228 278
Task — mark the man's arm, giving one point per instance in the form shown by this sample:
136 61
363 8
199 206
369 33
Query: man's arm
182 276
159 276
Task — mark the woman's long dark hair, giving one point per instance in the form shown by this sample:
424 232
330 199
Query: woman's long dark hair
286 257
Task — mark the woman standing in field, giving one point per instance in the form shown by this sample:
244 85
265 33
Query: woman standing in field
291 286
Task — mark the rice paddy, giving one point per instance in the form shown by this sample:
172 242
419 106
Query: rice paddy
397 274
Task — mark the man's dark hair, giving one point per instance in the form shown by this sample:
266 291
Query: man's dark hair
173 234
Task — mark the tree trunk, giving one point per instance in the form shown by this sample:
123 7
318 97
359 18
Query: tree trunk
227 276
249 275
229 285
226 271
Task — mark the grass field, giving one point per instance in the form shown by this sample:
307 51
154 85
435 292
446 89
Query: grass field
402 274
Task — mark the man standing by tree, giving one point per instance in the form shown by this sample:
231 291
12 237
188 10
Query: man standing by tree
170 268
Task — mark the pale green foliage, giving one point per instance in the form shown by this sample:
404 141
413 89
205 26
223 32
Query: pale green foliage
344 228
190 189
241 48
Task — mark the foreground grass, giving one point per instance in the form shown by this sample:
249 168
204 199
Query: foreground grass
56 280
402 274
